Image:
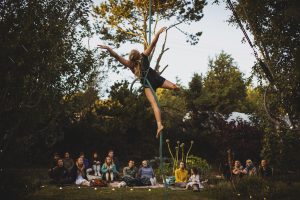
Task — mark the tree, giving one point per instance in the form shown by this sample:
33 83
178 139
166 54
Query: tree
194 93
276 30
126 21
43 64
275 26
222 90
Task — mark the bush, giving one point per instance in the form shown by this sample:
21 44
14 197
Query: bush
257 188
199 163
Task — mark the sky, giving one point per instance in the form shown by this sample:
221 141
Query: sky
183 59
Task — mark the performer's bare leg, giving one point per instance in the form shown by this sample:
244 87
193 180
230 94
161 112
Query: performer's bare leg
156 111
169 85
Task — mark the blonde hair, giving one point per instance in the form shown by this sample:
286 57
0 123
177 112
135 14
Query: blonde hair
250 161
135 58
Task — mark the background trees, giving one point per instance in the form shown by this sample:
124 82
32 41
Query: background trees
50 100
275 27
127 21
43 63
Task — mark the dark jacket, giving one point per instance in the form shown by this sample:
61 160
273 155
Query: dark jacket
68 163
76 171
61 176
265 173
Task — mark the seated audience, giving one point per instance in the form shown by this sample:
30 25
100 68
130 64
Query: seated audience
68 162
94 173
194 181
181 175
96 165
237 170
114 159
250 169
53 164
264 170
146 174
129 175
61 176
79 173
85 160
108 170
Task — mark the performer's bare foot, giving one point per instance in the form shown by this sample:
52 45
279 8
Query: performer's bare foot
175 87
159 130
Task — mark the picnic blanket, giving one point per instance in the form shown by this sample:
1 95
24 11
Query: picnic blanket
115 185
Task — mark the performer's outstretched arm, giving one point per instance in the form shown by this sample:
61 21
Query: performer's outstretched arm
122 60
149 49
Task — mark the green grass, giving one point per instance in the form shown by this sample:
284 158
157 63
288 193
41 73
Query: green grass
89 193
14 182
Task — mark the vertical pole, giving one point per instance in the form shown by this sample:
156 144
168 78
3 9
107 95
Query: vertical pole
153 92
150 16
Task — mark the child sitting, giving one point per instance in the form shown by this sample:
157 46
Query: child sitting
194 181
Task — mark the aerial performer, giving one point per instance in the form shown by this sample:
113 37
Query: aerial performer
139 65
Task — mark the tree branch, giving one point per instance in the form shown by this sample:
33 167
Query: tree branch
163 69
163 50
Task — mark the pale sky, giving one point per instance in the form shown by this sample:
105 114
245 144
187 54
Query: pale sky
183 59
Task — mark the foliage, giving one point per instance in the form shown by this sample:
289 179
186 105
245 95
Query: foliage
199 163
123 122
209 100
275 27
281 148
166 171
255 188
43 62
127 21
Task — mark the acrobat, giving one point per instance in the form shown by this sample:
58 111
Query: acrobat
139 65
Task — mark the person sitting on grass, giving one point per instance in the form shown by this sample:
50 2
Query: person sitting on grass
109 171
61 176
85 160
181 175
94 172
237 170
146 174
264 170
79 173
96 165
68 162
53 164
250 169
194 181
129 175
114 159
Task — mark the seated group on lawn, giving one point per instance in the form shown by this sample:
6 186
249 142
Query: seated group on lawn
238 171
184 180
83 172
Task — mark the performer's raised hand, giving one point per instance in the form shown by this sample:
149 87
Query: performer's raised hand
103 46
162 30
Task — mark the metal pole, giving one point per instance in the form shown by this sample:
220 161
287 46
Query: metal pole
156 99
150 16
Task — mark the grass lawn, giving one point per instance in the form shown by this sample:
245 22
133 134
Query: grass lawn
89 193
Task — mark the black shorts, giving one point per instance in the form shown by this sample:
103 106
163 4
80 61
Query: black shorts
154 79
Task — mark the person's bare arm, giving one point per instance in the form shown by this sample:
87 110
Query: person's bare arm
122 60
149 49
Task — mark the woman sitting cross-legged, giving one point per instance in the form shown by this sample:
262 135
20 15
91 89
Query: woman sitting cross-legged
79 173
181 175
109 171
146 174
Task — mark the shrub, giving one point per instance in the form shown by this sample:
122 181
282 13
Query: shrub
199 163
257 188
